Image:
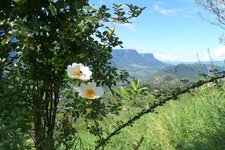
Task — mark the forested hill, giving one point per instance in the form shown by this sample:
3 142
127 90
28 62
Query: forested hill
189 71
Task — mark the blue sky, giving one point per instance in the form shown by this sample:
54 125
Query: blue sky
171 29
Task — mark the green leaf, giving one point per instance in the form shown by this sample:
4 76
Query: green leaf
142 89
111 31
122 89
52 9
4 41
81 55
47 28
19 1
137 82
2 60
133 86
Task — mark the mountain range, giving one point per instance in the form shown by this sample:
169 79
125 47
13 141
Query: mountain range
138 65
145 66
130 57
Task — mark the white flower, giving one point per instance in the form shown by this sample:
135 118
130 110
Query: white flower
90 91
78 71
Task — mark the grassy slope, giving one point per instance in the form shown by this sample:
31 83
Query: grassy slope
194 122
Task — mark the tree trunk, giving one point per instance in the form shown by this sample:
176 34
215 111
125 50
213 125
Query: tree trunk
45 109
38 125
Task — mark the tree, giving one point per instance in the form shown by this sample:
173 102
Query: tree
46 36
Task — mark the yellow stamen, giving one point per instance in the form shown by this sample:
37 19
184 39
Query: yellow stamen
77 73
90 93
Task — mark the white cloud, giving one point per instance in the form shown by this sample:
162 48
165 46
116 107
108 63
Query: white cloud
174 57
129 26
190 1
216 54
101 2
163 11
111 1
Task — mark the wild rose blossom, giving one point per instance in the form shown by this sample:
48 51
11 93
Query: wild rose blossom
79 71
90 90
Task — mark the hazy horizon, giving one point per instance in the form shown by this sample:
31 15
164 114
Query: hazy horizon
159 57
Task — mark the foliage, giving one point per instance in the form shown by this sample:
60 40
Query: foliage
133 91
46 36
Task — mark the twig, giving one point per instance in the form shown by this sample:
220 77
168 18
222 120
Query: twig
139 143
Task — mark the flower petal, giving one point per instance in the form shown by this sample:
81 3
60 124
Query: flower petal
92 85
85 78
74 65
82 89
79 71
99 92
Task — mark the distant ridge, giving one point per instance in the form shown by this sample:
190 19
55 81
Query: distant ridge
189 71
152 60
130 57
145 65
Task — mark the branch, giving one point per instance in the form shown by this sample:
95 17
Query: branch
215 7
139 143
154 105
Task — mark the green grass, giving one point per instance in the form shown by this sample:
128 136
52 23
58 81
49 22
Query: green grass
195 121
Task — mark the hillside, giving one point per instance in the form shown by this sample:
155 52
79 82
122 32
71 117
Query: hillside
138 65
189 71
195 121
179 75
